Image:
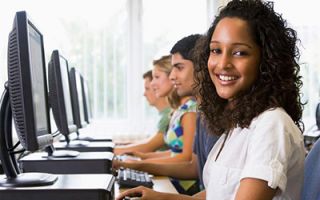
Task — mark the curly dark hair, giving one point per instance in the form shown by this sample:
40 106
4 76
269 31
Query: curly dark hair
278 83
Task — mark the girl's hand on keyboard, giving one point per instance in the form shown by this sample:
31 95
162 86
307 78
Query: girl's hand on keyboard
116 164
142 192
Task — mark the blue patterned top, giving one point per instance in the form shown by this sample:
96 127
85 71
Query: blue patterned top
174 136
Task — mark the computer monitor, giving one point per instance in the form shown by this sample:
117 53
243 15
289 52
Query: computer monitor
59 94
86 100
318 116
77 98
25 99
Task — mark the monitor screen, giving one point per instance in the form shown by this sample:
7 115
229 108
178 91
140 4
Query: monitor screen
27 84
37 81
77 98
66 89
59 94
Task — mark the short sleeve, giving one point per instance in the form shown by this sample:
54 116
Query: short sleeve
270 148
164 121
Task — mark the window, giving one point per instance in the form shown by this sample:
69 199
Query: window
165 22
308 31
112 43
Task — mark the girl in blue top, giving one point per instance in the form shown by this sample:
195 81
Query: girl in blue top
180 134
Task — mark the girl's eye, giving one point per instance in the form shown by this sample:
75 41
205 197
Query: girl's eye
215 50
240 53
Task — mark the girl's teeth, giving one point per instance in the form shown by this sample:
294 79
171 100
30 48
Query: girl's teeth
226 78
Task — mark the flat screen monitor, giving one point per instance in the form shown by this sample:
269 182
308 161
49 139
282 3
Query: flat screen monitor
28 85
28 96
86 100
77 98
318 116
59 94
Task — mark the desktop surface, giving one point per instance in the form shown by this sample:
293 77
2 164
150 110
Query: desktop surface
84 163
95 138
161 184
87 136
74 186
85 147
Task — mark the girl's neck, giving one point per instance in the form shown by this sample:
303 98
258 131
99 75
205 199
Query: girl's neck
162 104
231 104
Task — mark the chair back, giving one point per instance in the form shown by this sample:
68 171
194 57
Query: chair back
318 116
311 184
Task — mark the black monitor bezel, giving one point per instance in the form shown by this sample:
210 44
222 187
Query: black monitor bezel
20 27
317 115
85 96
57 101
75 98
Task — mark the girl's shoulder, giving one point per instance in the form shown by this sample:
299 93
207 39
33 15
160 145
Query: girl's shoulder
191 105
274 114
277 118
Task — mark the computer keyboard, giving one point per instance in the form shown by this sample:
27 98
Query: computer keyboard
129 178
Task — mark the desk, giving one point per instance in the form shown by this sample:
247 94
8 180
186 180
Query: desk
84 163
161 184
86 146
71 186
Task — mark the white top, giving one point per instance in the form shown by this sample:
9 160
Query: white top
271 149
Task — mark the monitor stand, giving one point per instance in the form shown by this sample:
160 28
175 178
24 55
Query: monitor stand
64 154
68 186
28 180
12 175
78 143
51 152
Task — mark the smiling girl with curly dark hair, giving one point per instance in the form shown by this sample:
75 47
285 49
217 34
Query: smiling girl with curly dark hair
277 83
250 95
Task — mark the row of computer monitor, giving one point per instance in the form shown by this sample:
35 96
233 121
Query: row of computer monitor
68 96
28 99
